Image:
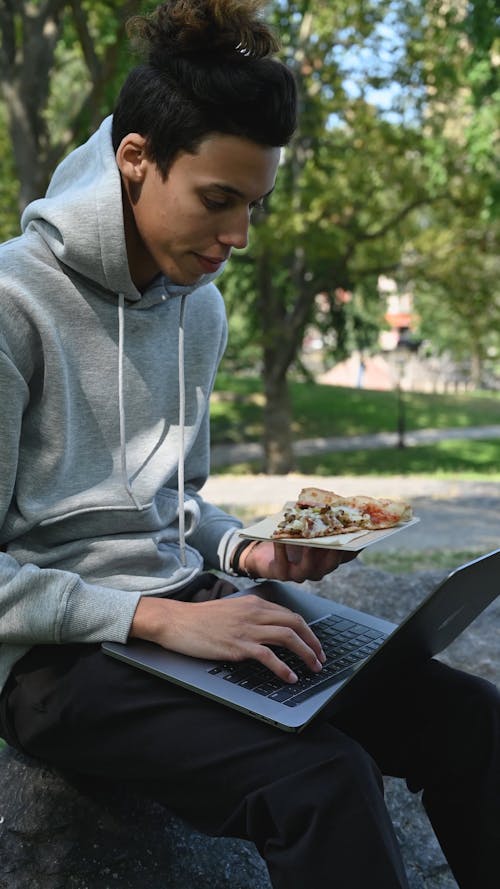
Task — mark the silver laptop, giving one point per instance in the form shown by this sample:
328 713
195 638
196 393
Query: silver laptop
362 650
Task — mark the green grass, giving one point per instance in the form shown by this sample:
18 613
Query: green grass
463 457
324 411
404 562
329 411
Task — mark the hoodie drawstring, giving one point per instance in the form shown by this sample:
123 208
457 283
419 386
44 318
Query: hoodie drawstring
121 405
182 418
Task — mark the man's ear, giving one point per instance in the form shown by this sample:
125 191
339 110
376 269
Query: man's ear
131 158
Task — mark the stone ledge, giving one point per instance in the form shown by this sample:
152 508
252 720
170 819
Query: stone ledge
55 834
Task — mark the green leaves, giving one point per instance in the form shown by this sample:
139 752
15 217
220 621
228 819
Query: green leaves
393 169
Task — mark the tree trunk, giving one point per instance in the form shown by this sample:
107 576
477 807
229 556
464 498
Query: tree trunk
282 327
278 450
476 367
29 156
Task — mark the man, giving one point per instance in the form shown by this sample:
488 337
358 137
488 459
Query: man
110 337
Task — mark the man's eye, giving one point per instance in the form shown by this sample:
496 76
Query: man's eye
213 204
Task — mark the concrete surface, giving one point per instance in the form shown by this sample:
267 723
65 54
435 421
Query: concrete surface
458 515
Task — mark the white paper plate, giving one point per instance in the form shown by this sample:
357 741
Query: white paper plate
263 530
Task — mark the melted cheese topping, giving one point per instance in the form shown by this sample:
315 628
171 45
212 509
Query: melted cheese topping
319 521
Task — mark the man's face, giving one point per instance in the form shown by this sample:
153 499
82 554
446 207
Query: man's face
186 225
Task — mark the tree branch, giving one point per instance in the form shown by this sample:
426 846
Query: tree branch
87 44
8 45
393 222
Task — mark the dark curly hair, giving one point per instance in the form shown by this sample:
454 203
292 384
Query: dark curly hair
209 68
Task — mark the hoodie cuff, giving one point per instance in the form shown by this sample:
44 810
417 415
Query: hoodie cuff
226 548
98 614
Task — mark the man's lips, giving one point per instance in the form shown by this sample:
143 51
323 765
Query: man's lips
210 263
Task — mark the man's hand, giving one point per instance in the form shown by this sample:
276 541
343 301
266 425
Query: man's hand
234 628
285 561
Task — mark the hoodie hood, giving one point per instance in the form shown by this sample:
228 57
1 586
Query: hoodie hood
81 220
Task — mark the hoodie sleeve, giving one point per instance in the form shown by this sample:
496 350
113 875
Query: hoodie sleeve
46 605
216 535
214 524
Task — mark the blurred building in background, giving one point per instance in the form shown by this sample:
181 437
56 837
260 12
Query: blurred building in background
401 359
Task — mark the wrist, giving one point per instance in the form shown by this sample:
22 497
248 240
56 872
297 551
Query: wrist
246 559
238 557
150 618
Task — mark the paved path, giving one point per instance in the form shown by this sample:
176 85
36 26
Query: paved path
227 454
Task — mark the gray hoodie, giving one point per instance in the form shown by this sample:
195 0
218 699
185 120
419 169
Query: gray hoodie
95 504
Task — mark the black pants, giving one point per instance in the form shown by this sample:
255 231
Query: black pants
313 802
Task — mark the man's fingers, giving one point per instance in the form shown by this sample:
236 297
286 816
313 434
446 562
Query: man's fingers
281 559
274 664
280 628
300 563
270 658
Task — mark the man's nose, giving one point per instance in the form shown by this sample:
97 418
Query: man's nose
235 232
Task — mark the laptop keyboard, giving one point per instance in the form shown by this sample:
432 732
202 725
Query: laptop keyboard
345 643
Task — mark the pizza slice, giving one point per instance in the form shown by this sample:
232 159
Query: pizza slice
319 513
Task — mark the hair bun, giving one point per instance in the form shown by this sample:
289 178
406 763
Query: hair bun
204 27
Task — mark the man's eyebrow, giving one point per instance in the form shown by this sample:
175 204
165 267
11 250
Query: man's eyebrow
229 189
